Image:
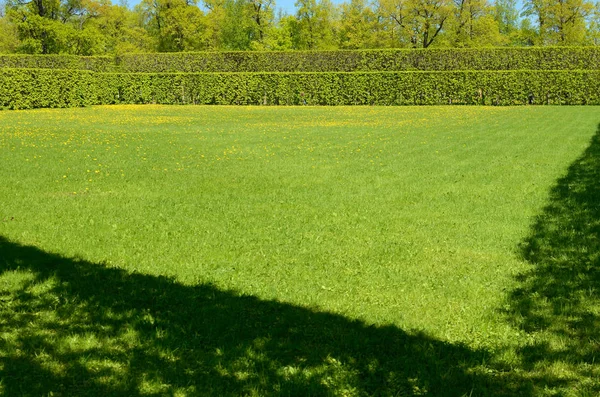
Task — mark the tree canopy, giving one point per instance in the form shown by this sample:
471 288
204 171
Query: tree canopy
96 27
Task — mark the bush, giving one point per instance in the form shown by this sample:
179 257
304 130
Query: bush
542 58
95 63
46 88
31 88
358 88
546 58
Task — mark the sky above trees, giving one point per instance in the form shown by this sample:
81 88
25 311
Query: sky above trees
289 6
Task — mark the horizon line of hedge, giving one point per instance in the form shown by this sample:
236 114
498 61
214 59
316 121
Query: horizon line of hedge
33 88
525 58
531 58
58 62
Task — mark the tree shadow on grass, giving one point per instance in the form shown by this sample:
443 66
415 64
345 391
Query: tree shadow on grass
71 327
558 303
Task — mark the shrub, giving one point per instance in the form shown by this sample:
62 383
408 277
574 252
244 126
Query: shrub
542 58
95 63
43 88
31 88
358 88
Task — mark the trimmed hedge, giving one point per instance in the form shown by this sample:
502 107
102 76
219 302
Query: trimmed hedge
29 88
543 58
95 63
358 88
47 88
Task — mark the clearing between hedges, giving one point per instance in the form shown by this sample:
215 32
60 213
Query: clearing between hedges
299 250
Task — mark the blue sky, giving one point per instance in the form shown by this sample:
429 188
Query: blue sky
288 5
285 5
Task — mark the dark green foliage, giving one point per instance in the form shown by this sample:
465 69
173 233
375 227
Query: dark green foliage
45 88
507 76
399 88
30 88
537 58
547 58
96 63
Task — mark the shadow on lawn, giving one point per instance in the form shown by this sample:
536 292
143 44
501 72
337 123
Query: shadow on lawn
70 327
559 299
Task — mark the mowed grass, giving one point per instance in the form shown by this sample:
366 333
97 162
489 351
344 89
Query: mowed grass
156 250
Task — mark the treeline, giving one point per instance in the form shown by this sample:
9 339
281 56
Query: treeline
97 27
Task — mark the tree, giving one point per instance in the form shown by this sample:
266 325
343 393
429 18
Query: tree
241 25
123 31
506 15
82 27
261 13
395 15
8 33
474 25
561 22
419 22
428 19
315 25
236 30
176 25
359 26
593 31
282 34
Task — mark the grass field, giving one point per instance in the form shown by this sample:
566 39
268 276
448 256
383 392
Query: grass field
156 250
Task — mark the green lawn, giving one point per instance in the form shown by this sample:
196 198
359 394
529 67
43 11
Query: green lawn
295 251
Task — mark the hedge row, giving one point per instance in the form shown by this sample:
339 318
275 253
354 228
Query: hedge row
27 88
543 58
45 88
546 58
358 88
95 63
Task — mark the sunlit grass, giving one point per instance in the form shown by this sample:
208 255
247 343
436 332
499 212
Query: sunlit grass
407 217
